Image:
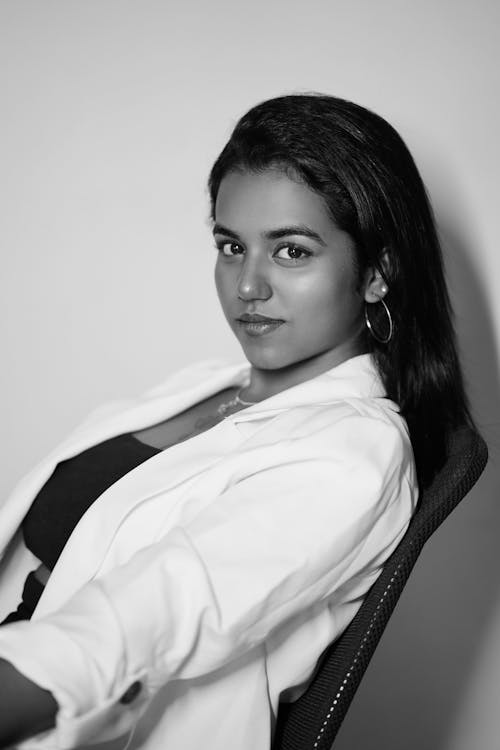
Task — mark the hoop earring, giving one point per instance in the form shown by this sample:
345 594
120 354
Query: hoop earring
376 336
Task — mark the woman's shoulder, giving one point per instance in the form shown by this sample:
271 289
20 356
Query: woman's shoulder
363 415
357 432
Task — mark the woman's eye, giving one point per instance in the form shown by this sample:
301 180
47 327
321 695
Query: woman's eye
229 248
291 252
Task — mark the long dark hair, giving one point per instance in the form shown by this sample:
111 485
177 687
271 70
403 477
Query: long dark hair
364 172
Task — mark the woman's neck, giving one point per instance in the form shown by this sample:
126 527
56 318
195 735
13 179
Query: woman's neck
265 383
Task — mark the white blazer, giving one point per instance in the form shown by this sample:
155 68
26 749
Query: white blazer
210 578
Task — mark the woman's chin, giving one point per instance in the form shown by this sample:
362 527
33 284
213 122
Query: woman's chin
263 360
269 360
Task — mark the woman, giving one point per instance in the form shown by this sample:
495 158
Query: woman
203 585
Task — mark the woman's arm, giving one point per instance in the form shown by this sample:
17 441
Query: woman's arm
26 708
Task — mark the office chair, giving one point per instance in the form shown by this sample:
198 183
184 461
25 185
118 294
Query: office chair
312 721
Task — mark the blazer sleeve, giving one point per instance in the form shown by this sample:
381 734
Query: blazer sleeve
328 511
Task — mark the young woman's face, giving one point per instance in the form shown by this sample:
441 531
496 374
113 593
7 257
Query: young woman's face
281 256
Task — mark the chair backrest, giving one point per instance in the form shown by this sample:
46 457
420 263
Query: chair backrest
312 721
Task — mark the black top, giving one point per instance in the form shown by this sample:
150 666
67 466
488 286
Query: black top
74 485
72 488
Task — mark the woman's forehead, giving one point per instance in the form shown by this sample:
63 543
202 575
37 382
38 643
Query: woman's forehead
267 200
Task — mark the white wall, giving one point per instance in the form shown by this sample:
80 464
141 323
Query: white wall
112 112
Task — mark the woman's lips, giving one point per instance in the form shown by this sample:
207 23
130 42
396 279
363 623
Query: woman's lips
258 325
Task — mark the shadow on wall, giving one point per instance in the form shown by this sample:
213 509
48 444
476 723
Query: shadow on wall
415 688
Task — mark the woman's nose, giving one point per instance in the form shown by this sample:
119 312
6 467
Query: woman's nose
253 282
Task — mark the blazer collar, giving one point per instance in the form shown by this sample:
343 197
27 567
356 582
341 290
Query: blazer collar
355 378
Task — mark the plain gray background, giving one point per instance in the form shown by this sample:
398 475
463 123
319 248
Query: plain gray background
112 113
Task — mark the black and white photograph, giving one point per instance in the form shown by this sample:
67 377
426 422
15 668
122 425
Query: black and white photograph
250 385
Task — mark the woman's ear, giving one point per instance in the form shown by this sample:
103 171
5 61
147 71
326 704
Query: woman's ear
375 287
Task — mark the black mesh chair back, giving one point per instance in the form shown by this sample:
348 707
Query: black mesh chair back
312 721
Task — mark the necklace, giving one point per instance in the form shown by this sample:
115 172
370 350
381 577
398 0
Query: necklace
235 401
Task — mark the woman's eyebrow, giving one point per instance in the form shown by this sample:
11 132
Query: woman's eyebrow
275 234
295 229
220 229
